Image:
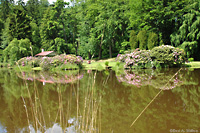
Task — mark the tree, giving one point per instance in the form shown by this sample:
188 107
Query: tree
6 36
49 29
6 8
161 17
33 10
188 34
35 37
17 49
53 25
142 39
152 40
133 40
19 24
87 36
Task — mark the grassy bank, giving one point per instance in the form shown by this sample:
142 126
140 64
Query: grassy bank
94 65
101 64
194 64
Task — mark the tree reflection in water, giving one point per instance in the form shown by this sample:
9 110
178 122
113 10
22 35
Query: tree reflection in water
98 102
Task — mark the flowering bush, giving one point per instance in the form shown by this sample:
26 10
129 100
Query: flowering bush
138 58
47 62
162 56
121 57
167 56
31 61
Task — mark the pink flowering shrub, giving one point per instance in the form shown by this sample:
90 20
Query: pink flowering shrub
167 56
31 61
162 56
47 62
136 59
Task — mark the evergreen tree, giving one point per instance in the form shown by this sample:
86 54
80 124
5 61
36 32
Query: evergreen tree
188 35
142 39
19 24
133 40
152 40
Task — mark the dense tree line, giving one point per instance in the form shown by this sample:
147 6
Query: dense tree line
97 28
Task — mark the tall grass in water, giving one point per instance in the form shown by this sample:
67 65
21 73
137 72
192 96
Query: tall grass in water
91 107
34 105
87 104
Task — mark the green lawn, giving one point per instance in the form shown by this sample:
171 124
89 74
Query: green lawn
194 64
100 64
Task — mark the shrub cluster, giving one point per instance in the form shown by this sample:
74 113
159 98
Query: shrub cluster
47 62
167 56
161 56
31 61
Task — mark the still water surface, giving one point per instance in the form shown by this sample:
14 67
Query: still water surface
100 101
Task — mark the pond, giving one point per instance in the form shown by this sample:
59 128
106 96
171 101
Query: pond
140 101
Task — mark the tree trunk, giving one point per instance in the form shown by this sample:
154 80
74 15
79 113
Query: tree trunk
100 52
89 55
77 44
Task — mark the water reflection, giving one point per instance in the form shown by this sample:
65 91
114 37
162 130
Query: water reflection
98 102
164 79
46 77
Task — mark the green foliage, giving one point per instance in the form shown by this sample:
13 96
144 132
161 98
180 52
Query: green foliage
167 56
152 40
19 24
124 46
29 61
142 39
101 29
60 46
46 63
6 8
35 34
191 59
162 56
136 59
188 34
17 49
133 40
106 63
34 9
6 37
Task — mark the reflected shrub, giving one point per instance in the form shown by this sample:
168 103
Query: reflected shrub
156 78
57 77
